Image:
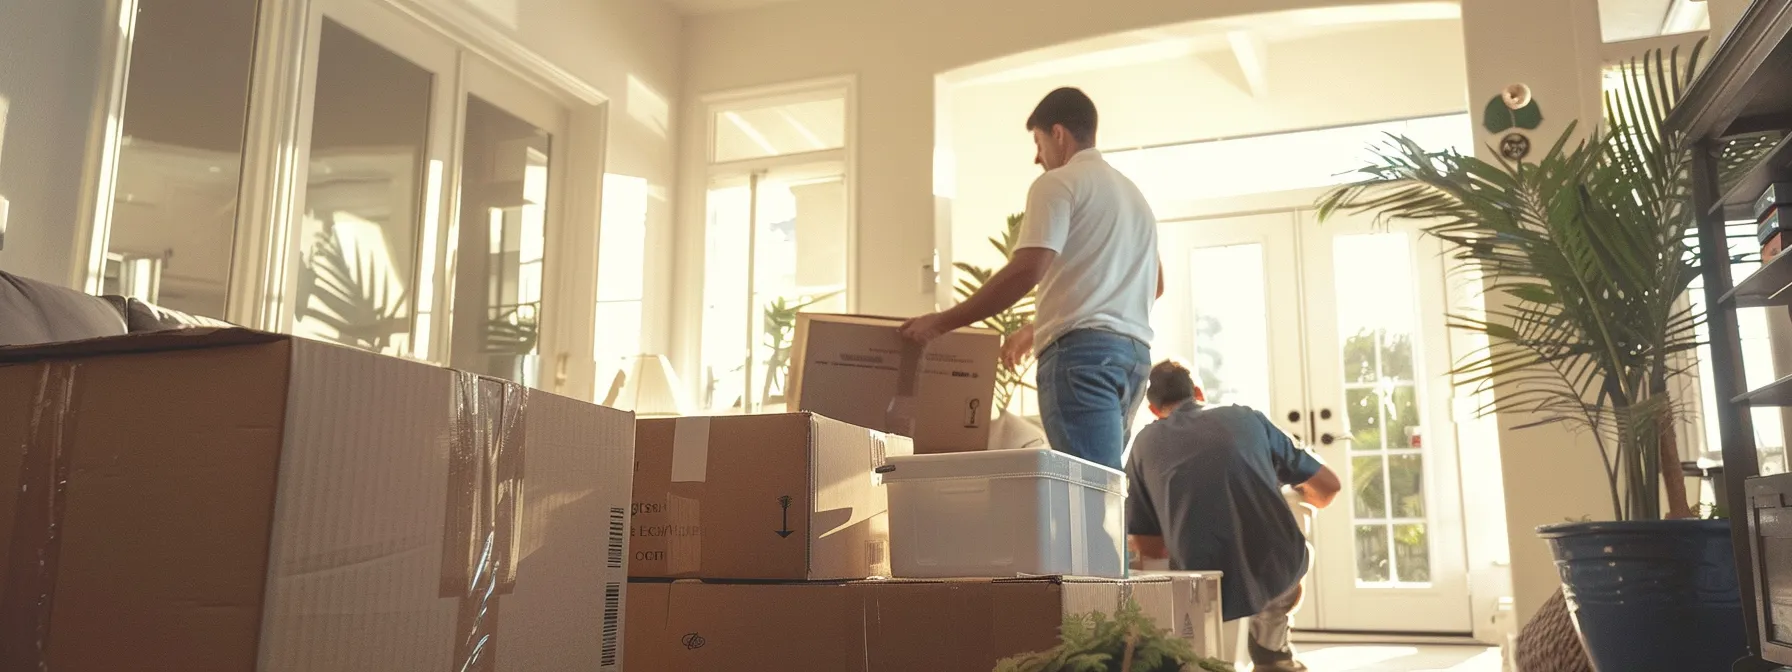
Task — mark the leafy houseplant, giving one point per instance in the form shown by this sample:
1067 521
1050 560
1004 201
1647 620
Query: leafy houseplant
1128 642
1009 380
780 326
1589 245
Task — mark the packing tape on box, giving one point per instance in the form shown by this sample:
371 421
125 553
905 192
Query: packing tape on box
690 464
37 522
690 450
482 542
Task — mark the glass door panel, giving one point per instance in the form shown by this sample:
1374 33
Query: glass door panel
377 139
175 208
501 250
1389 553
775 247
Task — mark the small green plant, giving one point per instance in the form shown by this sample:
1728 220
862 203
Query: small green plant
1126 642
1009 380
780 326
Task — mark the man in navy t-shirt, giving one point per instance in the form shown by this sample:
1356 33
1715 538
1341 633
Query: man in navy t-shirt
1206 493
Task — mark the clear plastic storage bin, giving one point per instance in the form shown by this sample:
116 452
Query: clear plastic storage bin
1003 513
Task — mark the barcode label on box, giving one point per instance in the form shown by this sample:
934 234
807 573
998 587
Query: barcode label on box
618 528
612 623
874 553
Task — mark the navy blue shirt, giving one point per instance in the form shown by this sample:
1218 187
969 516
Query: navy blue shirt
1209 481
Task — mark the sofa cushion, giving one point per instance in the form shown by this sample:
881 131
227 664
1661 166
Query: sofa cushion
140 316
32 311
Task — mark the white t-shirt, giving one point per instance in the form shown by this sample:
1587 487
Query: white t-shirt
1105 276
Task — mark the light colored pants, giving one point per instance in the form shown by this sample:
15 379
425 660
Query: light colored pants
1270 628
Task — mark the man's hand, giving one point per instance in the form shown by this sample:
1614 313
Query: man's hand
925 328
1018 347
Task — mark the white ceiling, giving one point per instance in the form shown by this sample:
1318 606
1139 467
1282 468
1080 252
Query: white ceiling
692 7
1634 19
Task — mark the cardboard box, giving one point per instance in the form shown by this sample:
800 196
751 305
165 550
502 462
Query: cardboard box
228 500
860 370
1198 614
793 497
1769 227
868 626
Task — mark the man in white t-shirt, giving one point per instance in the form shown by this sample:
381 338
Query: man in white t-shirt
1089 243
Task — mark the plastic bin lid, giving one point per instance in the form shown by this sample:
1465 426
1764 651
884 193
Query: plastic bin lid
1023 463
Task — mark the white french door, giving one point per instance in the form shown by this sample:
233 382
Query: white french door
431 203
1336 331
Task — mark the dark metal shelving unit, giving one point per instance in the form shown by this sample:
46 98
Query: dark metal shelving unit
1745 90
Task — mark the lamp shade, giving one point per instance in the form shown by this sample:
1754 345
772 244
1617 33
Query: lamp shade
647 386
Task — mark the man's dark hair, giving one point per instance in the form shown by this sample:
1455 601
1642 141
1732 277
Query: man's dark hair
1067 107
1171 383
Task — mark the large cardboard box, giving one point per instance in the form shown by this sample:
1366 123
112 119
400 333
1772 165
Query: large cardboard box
227 500
792 496
860 370
866 626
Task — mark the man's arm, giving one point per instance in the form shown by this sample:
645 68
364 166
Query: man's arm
1317 484
1321 489
1007 287
1160 277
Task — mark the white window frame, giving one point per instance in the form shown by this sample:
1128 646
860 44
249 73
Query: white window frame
272 187
844 86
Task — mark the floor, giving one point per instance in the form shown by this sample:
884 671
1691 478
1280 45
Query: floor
1399 658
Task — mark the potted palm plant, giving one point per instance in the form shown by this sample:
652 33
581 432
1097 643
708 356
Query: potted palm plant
1589 246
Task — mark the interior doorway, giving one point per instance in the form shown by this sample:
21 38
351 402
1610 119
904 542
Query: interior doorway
1336 330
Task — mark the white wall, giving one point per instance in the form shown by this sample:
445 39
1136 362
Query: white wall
1361 74
49 76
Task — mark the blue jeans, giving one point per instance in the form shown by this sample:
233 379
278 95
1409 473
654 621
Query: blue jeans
1090 385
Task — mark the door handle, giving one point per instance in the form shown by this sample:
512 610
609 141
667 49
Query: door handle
1294 416
1328 439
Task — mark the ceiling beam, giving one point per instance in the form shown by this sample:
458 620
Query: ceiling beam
1252 54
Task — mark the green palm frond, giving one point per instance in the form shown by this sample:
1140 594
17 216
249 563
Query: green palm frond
1589 244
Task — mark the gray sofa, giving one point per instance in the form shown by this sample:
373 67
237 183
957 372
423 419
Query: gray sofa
32 311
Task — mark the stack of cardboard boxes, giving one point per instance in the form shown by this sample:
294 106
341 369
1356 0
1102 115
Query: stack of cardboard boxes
227 500
762 542
220 500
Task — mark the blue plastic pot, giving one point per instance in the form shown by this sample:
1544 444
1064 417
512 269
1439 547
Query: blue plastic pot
1652 595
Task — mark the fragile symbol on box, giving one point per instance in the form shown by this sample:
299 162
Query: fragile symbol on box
693 641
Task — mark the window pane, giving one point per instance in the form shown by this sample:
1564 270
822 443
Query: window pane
358 245
500 254
1368 487
1372 553
1406 481
800 267
725 301
174 214
1412 553
759 130
1362 409
622 248
1232 327
618 338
